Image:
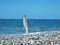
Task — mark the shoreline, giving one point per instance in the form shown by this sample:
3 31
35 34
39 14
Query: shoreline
29 33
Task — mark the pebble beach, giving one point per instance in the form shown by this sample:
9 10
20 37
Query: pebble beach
47 38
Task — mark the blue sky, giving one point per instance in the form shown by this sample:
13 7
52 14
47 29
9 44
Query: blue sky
34 9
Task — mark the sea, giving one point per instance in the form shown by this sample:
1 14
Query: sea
15 26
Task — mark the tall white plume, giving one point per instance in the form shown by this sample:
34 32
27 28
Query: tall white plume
25 24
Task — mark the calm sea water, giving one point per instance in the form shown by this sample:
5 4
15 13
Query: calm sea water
15 26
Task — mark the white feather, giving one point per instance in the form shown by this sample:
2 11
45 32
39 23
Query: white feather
25 24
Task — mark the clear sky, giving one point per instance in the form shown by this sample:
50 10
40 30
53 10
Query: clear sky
34 9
